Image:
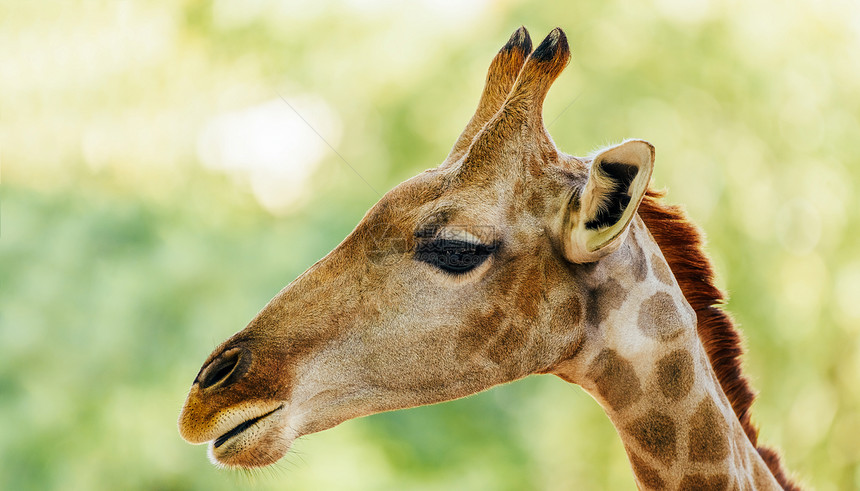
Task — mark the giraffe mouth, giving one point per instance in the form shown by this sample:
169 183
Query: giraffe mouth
241 427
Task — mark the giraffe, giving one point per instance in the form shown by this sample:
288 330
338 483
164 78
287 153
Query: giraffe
510 258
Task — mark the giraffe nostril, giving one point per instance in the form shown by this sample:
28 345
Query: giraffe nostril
220 368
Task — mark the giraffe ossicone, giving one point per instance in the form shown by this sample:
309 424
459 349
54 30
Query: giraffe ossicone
511 258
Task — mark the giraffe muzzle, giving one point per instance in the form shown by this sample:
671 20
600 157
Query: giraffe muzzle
241 427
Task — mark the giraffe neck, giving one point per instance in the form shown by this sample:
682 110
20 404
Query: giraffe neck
645 364
676 424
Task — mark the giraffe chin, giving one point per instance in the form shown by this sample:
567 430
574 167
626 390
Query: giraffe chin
257 442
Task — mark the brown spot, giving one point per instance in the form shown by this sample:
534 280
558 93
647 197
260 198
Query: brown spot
536 204
513 211
655 433
529 294
675 374
661 270
565 319
519 188
615 379
702 482
555 271
477 332
507 346
566 315
603 300
708 428
648 476
535 166
503 279
659 317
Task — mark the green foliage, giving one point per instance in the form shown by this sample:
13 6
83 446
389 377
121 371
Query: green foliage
123 262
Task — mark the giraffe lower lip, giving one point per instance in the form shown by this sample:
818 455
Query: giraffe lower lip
221 440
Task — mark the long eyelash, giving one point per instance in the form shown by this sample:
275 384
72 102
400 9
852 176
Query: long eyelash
455 245
436 252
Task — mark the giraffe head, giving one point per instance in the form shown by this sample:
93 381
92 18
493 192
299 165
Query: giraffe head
458 279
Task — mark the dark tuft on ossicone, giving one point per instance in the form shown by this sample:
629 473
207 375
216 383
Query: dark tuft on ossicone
520 40
553 45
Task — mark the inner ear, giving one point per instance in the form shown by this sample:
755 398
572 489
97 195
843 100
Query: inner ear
614 200
597 219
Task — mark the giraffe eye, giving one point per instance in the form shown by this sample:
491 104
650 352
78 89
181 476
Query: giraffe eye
453 256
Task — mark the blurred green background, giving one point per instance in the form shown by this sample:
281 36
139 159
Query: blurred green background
157 192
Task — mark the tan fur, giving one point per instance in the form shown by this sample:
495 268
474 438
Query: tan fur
371 327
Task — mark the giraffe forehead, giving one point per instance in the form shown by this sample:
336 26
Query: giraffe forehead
521 200
432 201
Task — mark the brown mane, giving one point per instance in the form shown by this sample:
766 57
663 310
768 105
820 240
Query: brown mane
682 244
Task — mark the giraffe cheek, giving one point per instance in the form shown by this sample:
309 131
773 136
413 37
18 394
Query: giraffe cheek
565 328
477 333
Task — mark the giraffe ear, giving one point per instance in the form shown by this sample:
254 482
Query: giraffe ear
598 217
